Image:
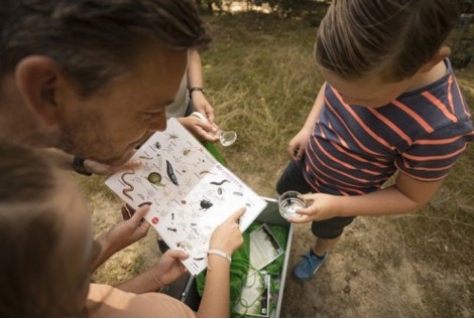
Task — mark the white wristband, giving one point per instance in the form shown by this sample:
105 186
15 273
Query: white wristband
219 253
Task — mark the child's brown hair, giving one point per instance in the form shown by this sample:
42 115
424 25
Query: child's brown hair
392 37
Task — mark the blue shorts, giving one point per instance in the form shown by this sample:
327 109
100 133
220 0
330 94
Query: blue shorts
293 179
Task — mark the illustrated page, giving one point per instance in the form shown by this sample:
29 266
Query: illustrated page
189 191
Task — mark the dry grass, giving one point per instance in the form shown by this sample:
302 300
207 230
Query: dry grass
261 78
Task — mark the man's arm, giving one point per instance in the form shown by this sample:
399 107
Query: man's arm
65 161
121 235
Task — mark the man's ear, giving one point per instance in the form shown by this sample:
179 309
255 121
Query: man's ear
38 79
440 55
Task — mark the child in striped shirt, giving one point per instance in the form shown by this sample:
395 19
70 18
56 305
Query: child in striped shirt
391 104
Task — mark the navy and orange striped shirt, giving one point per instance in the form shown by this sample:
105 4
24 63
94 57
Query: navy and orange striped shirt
354 150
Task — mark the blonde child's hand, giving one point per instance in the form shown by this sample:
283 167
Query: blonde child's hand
227 237
297 145
318 207
169 268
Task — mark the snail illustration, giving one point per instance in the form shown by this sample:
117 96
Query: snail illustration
155 178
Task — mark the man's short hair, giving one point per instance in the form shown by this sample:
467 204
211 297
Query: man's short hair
94 40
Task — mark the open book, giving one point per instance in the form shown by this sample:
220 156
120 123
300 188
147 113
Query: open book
189 191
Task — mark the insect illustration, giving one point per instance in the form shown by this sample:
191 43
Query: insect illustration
185 245
172 136
205 204
170 172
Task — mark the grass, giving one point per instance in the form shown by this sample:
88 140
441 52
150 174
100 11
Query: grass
262 85
261 79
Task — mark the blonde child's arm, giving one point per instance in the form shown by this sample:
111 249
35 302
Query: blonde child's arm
297 145
405 196
215 302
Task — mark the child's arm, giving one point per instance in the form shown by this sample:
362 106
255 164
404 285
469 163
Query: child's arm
297 144
405 196
195 80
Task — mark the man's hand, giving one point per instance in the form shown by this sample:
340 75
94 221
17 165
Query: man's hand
131 229
122 234
104 169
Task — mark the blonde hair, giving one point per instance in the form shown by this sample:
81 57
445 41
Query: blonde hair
36 274
393 37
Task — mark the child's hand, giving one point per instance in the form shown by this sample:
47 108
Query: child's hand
201 130
227 237
169 267
318 207
297 145
202 105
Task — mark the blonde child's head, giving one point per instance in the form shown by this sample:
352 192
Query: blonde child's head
45 238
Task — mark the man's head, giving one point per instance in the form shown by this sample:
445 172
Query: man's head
45 238
382 44
96 74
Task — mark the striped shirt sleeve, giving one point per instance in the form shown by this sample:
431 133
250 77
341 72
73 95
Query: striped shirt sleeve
432 157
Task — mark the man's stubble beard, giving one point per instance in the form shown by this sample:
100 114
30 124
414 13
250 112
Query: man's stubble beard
62 141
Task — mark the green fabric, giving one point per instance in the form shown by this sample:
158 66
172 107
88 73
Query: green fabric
211 147
240 266
238 271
